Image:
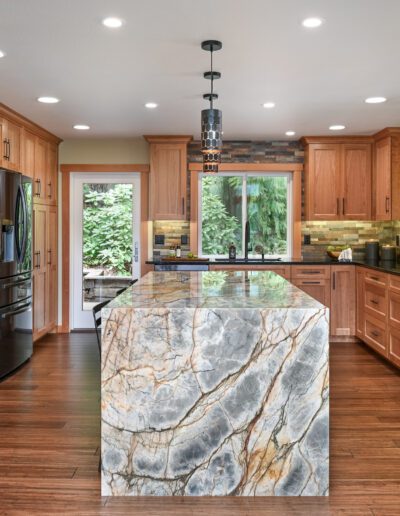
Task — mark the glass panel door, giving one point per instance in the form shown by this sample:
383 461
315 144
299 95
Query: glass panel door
105 230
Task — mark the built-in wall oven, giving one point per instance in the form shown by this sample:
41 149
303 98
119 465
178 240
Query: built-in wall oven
16 321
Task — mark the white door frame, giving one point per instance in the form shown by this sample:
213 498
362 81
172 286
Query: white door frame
84 319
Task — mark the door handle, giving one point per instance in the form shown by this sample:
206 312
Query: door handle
37 254
136 256
343 210
183 206
337 206
387 205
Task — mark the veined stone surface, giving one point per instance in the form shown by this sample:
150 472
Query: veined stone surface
215 383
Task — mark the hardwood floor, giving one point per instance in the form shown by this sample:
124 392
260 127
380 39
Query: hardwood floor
49 441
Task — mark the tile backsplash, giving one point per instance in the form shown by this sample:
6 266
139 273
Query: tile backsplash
172 231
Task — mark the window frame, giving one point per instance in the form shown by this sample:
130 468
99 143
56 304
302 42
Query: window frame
245 174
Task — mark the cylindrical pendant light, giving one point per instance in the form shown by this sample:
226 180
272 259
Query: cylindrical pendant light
211 119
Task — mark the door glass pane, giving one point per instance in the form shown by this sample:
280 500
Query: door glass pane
221 209
107 240
267 212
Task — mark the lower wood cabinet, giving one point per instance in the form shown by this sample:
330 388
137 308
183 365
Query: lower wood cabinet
394 345
319 289
343 301
282 270
44 269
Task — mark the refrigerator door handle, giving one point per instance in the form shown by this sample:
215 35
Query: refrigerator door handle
16 283
19 310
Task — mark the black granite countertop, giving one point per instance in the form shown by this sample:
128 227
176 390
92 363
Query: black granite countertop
389 267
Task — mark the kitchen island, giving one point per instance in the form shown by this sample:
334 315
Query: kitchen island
215 383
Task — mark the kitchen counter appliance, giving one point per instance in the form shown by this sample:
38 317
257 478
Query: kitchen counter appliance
16 321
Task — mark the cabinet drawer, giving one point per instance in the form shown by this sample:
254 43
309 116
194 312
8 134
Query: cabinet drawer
310 271
319 289
283 271
394 283
394 309
376 277
394 346
375 334
375 300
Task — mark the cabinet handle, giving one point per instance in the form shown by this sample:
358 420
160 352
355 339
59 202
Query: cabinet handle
311 283
311 272
49 256
5 156
337 206
374 302
49 194
183 206
374 278
334 281
375 333
8 149
38 188
387 204
343 206
37 254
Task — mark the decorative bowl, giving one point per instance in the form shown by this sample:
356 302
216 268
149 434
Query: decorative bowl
334 254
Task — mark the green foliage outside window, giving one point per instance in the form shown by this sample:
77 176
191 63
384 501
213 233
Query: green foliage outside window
107 228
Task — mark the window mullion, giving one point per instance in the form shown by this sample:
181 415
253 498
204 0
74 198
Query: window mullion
244 212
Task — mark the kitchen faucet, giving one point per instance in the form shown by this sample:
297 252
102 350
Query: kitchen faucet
247 240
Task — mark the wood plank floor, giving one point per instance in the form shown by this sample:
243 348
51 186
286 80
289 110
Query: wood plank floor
49 441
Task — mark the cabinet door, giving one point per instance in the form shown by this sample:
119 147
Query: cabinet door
14 146
394 346
168 181
382 179
323 182
51 263
40 171
40 268
376 335
343 300
52 173
360 316
319 289
356 181
28 162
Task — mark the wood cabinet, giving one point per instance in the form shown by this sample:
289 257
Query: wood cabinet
11 145
33 151
168 177
314 280
386 177
338 176
343 301
45 269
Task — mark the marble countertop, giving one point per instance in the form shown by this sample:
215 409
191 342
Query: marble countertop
216 289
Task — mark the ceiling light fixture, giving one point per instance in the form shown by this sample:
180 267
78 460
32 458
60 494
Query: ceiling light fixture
2 54
81 127
151 105
337 127
290 133
211 119
112 23
375 100
268 105
312 23
48 100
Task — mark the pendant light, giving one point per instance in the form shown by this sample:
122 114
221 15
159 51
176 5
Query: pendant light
211 119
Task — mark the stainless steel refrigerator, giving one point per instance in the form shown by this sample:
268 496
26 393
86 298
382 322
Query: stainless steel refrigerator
16 320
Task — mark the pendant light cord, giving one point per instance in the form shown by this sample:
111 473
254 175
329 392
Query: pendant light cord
212 80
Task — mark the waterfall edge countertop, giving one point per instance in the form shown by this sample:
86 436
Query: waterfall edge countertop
215 383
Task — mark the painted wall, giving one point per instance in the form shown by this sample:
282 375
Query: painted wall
96 151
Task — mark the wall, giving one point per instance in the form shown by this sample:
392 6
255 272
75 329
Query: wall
96 151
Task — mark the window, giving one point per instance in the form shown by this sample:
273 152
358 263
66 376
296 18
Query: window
228 200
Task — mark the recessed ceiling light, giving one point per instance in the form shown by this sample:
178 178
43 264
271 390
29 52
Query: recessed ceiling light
269 105
81 127
2 54
112 23
337 127
48 100
312 23
375 100
151 105
290 133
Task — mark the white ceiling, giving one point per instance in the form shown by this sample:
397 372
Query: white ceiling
103 77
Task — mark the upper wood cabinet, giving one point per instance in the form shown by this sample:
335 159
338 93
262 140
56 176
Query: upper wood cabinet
386 177
40 175
338 175
28 154
168 177
11 145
